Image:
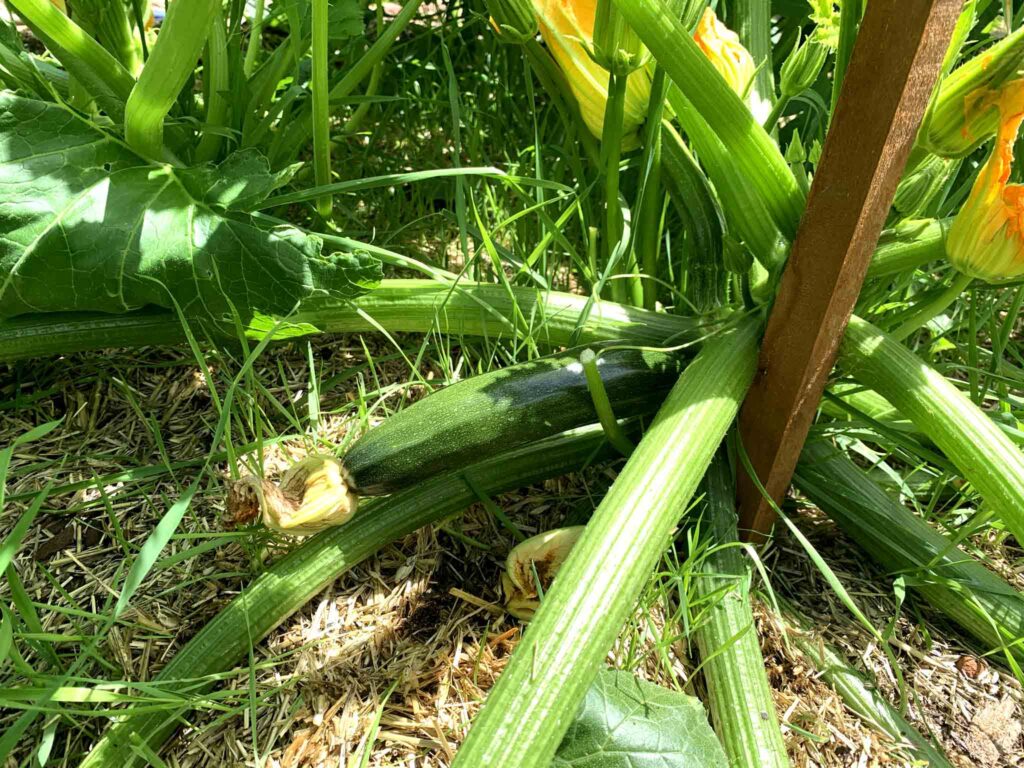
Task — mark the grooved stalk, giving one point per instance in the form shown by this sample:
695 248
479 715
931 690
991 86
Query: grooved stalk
536 697
753 151
170 64
412 306
979 449
739 696
85 59
951 580
321 116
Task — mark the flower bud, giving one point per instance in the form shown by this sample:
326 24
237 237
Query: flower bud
723 48
802 67
514 20
963 114
536 559
314 494
919 188
617 47
567 27
986 239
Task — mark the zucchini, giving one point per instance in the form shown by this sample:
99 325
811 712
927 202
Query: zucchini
501 410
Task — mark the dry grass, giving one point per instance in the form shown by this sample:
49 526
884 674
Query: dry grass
411 639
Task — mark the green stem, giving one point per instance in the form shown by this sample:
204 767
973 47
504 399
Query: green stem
412 306
321 116
951 580
739 696
849 23
85 60
255 38
593 244
528 711
611 157
359 113
139 11
752 151
979 449
778 108
703 277
649 205
217 81
908 246
752 21
170 64
605 414
423 306
923 314
745 210
110 24
301 125
292 581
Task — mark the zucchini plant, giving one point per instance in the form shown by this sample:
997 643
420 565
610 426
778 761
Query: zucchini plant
194 182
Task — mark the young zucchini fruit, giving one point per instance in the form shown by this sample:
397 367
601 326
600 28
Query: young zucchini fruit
501 410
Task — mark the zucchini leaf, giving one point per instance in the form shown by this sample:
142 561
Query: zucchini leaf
240 182
86 224
627 722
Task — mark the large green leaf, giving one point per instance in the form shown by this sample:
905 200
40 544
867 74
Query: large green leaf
627 722
85 224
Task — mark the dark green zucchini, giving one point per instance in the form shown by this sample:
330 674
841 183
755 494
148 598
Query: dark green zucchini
477 418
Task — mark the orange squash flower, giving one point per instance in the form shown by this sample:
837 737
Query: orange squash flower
567 27
723 48
986 239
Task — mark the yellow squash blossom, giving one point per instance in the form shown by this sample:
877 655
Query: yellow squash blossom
986 240
962 115
723 48
567 27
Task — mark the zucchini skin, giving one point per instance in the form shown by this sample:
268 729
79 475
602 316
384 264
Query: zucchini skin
480 417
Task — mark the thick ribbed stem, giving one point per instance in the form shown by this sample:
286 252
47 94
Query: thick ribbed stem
531 707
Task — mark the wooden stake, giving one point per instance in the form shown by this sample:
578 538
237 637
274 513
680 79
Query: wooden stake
895 63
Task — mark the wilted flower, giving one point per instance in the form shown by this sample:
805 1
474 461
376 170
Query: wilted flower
986 239
723 48
567 27
314 494
536 559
